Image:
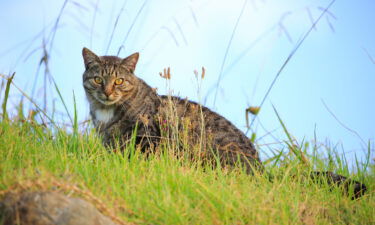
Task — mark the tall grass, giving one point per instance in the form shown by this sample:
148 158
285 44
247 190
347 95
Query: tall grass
132 187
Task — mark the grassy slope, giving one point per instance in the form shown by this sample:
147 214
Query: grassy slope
164 190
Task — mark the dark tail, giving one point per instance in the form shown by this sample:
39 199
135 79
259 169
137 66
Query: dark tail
347 184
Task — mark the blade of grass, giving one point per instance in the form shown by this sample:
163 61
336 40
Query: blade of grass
367 157
93 22
342 124
275 159
295 149
115 26
32 101
131 26
6 96
227 50
20 108
75 123
54 29
62 100
291 55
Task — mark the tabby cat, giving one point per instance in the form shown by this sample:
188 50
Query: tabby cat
120 102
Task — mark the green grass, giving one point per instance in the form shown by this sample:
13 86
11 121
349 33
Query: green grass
164 190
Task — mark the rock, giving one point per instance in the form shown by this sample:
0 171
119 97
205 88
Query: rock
49 208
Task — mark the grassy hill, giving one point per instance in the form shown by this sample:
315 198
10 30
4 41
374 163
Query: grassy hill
161 189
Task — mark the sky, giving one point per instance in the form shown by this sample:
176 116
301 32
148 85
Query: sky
327 89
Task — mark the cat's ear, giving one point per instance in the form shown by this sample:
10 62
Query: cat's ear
89 57
131 61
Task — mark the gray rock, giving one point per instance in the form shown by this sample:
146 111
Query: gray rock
49 208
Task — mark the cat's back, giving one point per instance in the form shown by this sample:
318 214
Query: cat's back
232 144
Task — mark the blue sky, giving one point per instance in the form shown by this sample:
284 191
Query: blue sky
331 66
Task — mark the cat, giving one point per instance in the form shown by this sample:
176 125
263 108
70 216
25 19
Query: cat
121 103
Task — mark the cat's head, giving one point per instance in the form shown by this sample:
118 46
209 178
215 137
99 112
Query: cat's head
108 79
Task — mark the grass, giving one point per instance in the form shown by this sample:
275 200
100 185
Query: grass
165 190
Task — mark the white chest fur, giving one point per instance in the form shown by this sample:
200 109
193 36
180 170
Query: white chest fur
104 115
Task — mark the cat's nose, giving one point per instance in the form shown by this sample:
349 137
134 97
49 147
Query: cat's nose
107 92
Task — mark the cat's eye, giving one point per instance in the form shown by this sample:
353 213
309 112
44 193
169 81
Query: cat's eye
98 80
119 81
